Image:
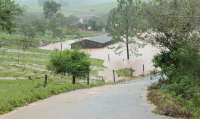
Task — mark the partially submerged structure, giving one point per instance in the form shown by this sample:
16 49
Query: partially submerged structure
93 42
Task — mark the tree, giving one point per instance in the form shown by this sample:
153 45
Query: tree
40 25
8 11
55 28
122 22
51 8
41 2
174 20
29 31
55 19
176 24
71 62
72 20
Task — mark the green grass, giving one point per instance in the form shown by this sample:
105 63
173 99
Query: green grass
18 93
127 72
22 72
171 105
97 65
15 40
168 105
19 64
22 82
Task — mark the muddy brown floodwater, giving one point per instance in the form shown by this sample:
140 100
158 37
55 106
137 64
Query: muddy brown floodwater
114 61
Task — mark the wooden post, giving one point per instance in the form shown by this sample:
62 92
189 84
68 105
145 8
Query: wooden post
88 79
114 78
151 78
45 81
73 79
143 69
102 78
108 57
61 47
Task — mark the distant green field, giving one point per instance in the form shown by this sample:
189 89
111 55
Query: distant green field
14 40
19 64
22 75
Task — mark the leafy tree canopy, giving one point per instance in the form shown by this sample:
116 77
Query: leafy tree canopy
71 62
51 8
8 11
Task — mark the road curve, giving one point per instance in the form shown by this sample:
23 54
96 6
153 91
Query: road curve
120 101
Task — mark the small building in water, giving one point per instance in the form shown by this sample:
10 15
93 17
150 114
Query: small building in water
93 42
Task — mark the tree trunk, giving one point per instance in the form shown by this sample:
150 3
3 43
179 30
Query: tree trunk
73 79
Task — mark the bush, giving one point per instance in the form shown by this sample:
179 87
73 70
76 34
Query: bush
127 72
168 105
71 62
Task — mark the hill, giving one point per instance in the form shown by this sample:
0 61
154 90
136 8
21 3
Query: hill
73 7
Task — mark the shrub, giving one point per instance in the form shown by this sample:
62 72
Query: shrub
71 62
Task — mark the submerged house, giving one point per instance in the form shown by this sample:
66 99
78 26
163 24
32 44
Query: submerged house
93 42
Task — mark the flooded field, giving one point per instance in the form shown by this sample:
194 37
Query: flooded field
114 61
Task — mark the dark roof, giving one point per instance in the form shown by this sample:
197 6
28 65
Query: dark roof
100 39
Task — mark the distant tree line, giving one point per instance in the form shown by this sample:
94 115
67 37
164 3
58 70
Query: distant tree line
15 19
8 11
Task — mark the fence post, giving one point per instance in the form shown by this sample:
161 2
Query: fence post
45 81
108 57
114 78
88 79
151 78
102 78
143 69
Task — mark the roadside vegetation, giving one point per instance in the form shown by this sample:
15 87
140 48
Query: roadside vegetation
27 73
178 35
125 73
17 93
173 27
22 78
71 62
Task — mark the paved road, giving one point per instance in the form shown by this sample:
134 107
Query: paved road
120 101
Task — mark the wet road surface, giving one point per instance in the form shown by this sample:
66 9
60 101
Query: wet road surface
120 101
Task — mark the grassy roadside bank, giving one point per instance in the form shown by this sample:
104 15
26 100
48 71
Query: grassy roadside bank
168 104
22 78
17 93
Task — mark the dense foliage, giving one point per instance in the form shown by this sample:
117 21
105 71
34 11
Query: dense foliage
177 33
124 22
8 12
173 26
74 63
